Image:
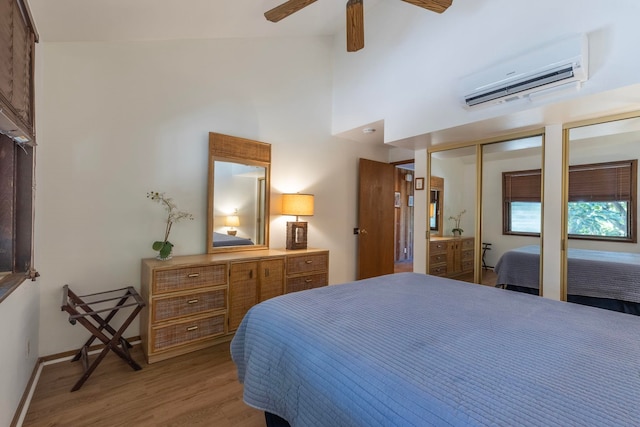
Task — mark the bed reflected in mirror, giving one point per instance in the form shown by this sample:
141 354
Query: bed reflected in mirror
512 214
603 259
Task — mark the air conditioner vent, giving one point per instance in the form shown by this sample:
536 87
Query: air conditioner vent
551 66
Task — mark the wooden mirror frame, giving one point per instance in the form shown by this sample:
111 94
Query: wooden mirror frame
233 149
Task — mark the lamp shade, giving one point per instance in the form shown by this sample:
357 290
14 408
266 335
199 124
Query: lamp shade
232 221
297 204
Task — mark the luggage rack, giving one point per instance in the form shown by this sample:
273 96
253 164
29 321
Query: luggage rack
88 311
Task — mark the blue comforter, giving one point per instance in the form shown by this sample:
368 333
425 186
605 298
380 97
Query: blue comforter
416 350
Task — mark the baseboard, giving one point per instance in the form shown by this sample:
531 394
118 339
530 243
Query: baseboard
18 417
27 395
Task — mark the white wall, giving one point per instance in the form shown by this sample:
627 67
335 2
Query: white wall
409 70
116 120
19 317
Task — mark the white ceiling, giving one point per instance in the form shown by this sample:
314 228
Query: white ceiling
113 20
139 20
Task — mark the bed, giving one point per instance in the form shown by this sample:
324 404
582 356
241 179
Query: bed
599 278
412 350
220 239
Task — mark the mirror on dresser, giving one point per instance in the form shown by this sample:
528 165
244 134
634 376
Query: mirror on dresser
238 194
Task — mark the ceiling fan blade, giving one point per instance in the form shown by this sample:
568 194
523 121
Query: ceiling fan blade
355 25
438 6
286 9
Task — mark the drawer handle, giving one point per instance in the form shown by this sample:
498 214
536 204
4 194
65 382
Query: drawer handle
308 280
192 301
193 275
192 328
309 261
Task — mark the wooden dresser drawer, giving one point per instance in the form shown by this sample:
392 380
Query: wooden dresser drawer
436 247
467 243
467 266
438 270
307 263
467 255
309 281
189 304
188 331
189 278
437 259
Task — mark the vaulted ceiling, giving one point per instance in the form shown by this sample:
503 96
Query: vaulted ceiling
100 20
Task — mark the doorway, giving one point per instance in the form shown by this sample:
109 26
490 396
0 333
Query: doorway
404 179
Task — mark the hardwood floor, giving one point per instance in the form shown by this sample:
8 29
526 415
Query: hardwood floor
403 266
197 389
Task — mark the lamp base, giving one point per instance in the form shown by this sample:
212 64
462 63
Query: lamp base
296 235
232 232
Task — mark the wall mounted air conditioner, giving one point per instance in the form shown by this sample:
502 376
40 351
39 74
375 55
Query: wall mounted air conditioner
563 63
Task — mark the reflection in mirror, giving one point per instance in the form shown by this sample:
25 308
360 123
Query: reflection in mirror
435 205
238 208
512 214
603 258
238 194
451 253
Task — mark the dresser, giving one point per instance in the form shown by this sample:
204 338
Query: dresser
197 301
451 256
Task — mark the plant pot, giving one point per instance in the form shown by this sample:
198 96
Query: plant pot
164 250
457 233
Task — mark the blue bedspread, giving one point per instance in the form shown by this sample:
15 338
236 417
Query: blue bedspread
598 274
416 350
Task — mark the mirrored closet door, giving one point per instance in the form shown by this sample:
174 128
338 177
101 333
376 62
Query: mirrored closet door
452 213
603 258
512 214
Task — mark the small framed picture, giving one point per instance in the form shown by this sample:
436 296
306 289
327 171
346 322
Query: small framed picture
397 199
419 184
410 201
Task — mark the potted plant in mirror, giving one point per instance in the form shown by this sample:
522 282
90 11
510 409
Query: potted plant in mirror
164 247
457 231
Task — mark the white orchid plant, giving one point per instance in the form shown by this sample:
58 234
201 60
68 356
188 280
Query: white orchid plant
456 220
164 247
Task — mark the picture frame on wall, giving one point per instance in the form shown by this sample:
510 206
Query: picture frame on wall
419 184
397 199
410 201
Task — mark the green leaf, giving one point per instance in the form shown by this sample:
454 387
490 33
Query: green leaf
165 251
157 245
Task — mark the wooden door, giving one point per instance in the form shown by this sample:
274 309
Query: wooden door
243 291
271 278
375 218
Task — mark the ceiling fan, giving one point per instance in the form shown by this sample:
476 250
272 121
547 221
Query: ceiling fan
355 16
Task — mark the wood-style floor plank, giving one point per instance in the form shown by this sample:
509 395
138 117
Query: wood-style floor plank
196 389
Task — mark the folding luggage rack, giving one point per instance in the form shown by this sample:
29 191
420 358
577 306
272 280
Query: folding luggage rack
88 314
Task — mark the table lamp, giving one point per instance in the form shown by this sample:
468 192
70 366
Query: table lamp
299 205
232 221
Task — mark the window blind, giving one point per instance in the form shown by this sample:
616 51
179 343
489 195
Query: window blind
521 186
602 182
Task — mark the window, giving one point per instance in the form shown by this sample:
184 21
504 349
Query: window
16 173
521 202
601 201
